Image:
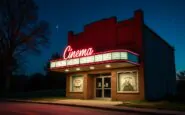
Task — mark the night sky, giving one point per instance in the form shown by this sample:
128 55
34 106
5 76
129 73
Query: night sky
165 17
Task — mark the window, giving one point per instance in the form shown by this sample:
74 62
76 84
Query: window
76 83
127 82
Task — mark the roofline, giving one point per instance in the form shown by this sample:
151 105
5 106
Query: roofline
159 37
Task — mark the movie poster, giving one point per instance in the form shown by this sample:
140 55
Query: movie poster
127 81
77 84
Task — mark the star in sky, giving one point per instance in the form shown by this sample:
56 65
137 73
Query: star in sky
57 27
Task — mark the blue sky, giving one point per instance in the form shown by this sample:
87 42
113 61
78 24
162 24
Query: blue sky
165 17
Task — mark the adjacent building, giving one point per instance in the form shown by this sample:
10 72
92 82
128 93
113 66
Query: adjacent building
114 60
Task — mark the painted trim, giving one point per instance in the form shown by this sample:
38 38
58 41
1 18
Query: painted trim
118 50
95 63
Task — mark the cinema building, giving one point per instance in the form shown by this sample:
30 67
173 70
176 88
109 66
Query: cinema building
114 60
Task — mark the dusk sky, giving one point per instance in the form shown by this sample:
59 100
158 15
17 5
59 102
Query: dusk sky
165 17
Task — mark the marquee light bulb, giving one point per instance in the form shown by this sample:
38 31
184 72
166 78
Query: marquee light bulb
92 67
66 70
108 65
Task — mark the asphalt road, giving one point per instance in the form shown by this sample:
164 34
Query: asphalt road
15 108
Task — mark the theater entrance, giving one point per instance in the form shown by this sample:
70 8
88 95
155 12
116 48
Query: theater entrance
103 86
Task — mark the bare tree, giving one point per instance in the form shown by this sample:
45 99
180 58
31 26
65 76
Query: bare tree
54 79
181 75
47 65
21 33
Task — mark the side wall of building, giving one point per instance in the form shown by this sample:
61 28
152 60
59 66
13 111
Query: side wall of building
159 66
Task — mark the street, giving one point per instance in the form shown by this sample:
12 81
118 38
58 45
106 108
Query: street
14 108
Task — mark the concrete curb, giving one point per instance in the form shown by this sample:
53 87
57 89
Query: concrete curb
123 109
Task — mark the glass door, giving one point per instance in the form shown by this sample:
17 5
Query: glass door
103 87
99 87
107 87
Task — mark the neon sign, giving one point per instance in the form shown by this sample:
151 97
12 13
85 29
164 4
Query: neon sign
69 53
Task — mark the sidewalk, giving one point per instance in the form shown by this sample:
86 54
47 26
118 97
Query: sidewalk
100 104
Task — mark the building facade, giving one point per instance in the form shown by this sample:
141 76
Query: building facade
114 60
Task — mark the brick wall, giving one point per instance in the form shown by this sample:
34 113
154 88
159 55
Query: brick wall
89 85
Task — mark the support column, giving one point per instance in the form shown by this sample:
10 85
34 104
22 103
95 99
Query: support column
85 87
88 87
113 85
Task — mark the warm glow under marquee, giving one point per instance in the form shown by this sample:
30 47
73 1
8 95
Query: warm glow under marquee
101 57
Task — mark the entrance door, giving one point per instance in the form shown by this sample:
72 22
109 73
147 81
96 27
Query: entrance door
103 87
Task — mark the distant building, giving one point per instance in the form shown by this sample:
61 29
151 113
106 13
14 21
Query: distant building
114 60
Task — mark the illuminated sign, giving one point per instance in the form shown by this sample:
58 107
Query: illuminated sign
69 53
100 57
